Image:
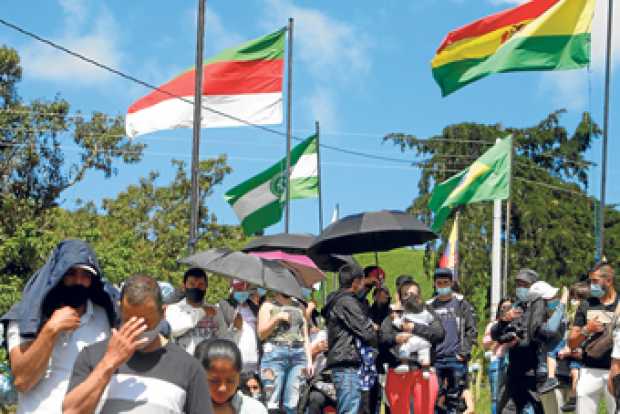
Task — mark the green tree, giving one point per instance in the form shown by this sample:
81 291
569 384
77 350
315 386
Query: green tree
552 220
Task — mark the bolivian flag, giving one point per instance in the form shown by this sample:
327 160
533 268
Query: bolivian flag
538 35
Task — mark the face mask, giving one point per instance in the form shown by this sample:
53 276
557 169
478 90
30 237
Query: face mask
306 292
256 395
362 293
195 295
150 336
596 290
574 303
444 291
261 291
521 293
241 297
552 305
74 296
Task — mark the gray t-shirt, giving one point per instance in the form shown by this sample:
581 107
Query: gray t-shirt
165 381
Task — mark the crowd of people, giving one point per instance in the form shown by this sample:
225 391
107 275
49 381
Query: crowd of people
76 346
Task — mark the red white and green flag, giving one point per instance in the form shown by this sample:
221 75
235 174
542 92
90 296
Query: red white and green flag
244 82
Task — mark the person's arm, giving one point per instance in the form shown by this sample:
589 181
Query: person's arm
266 324
470 334
487 342
352 315
433 332
582 328
29 361
389 336
182 320
614 371
307 348
86 386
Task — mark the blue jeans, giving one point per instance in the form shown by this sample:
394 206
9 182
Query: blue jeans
281 372
452 378
348 391
496 376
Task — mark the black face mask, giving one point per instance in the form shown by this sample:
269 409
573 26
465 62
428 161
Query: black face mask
74 296
195 295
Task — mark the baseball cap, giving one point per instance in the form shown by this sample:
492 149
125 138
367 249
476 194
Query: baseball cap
90 269
239 285
527 275
443 272
542 290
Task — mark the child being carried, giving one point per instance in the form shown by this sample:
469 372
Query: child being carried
414 311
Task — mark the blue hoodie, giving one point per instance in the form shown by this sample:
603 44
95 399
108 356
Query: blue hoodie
67 254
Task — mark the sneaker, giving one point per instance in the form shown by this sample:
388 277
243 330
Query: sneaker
402 369
570 405
549 385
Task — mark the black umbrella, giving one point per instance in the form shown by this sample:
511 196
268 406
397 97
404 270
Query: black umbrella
298 244
286 242
269 274
372 232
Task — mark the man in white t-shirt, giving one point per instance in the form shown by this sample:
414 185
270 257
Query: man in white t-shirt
191 320
75 312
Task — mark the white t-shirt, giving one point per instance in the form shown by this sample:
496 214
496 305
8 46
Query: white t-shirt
615 353
47 395
189 325
247 339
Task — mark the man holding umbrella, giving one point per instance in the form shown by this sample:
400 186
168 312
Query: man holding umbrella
347 327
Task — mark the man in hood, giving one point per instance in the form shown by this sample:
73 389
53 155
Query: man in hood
347 328
64 308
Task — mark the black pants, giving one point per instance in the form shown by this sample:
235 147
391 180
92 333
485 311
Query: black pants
318 401
517 393
371 400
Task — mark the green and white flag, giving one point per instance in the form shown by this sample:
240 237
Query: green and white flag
259 201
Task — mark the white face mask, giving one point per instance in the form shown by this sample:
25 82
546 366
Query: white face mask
150 336
574 302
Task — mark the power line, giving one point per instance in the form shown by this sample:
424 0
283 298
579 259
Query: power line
189 101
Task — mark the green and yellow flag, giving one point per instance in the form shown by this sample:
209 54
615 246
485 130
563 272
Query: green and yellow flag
488 178
537 35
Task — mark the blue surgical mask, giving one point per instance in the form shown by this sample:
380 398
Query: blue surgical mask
261 291
596 290
362 293
241 297
306 292
521 293
444 291
553 304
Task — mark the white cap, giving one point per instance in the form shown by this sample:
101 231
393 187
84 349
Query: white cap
86 267
542 290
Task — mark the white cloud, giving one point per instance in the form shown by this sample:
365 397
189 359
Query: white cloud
90 32
327 47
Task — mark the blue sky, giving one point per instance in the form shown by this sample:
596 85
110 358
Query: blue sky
361 68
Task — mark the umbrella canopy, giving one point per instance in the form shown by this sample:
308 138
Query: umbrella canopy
303 267
373 231
292 243
297 244
269 274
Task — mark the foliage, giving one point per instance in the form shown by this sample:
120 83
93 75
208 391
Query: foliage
552 218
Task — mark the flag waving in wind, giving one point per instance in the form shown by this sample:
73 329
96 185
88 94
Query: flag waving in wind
537 35
488 178
244 82
450 257
259 201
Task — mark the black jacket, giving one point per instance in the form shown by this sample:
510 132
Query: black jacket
433 333
468 329
523 357
346 321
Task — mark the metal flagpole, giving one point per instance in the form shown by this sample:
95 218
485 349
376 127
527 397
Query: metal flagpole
289 123
508 217
195 190
496 256
601 211
320 191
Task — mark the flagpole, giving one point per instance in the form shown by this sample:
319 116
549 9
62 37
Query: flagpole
319 177
195 190
508 218
496 255
601 210
289 111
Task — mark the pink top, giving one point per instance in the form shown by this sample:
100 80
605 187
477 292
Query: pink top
498 350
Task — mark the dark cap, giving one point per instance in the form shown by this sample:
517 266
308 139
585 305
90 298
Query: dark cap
402 279
348 273
527 275
442 272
